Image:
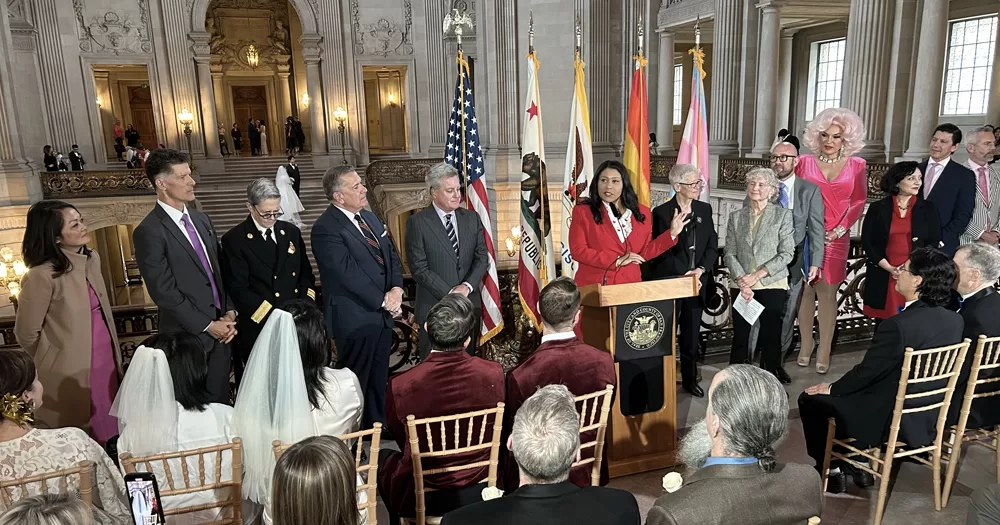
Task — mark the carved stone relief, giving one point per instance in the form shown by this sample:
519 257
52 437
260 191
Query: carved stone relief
467 7
382 37
15 10
114 32
236 24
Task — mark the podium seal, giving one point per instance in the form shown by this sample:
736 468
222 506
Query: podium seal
644 327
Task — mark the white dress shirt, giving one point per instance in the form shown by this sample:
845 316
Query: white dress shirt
263 229
350 217
176 216
908 303
965 297
790 188
441 215
558 336
937 176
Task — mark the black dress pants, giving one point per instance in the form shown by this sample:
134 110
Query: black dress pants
815 412
366 353
689 321
769 340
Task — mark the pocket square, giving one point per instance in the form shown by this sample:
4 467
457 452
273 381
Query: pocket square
384 233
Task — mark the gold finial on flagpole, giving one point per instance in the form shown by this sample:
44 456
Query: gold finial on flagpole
457 20
697 32
640 34
531 32
579 34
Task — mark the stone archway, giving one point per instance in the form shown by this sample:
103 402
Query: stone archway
304 9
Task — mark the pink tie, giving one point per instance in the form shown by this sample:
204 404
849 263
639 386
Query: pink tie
932 170
983 185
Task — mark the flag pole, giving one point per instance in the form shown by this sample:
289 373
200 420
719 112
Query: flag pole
457 20
542 182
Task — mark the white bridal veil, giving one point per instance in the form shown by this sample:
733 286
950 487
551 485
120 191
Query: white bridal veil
272 404
145 405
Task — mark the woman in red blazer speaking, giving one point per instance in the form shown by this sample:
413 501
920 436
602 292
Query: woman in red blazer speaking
611 233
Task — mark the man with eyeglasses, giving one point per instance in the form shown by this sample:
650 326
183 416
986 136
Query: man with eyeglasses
806 202
264 265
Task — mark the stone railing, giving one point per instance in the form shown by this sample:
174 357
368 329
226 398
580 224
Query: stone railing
733 170
85 184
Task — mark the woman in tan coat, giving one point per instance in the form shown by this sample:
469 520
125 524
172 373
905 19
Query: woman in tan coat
64 321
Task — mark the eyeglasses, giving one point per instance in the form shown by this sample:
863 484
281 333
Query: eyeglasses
695 184
782 158
268 215
907 270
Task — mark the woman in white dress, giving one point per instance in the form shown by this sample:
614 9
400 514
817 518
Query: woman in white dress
290 204
27 451
164 406
308 397
263 138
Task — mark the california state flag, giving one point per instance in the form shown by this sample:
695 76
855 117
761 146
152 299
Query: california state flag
579 163
537 262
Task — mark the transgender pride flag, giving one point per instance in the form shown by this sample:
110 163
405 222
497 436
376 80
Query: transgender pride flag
694 142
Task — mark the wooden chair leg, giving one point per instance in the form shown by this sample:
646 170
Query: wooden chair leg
949 479
936 476
883 487
996 450
831 427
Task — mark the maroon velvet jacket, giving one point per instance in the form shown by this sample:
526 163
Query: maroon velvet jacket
571 362
446 383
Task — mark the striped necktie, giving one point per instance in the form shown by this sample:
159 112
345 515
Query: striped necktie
450 228
370 239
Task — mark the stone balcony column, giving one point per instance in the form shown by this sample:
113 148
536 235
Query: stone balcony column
665 95
724 112
866 69
926 108
993 104
785 82
285 96
209 122
221 109
767 76
314 84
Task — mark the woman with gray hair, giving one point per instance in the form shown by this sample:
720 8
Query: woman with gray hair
759 246
47 509
695 253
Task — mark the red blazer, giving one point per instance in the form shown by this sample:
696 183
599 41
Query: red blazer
446 383
596 246
571 362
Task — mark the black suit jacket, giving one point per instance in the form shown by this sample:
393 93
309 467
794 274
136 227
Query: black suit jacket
174 276
551 505
260 276
870 387
925 231
954 196
354 284
980 315
700 233
433 262
293 172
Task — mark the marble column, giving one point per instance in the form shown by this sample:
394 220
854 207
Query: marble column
902 71
926 110
866 69
783 112
767 76
20 182
285 94
723 118
56 92
993 104
665 95
209 123
222 112
314 84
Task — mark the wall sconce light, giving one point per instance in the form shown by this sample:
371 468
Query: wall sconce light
340 115
11 271
253 57
392 99
513 242
98 101
305 100
186 119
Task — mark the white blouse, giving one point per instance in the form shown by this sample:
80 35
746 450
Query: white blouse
47 450
207 428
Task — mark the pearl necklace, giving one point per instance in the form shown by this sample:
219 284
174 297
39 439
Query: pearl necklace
828 160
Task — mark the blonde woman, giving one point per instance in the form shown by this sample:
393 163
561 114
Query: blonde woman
834 136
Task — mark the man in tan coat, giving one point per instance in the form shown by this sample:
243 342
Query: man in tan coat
738 479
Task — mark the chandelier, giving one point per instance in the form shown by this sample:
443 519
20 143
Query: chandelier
253 57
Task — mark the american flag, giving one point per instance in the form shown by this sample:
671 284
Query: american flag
463 152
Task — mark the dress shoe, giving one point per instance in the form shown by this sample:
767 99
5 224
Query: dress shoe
782 376
836 483
692 388
862 478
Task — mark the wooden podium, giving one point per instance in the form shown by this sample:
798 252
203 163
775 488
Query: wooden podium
647 441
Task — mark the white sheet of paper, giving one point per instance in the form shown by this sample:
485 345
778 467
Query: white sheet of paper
749 310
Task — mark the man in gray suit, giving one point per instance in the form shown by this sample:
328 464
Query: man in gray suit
737 478
177 251
445 249
806 202
985 223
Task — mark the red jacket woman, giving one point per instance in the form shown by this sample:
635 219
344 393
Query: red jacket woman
612 234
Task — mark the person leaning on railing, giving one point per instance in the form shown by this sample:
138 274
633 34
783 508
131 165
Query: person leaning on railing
759 245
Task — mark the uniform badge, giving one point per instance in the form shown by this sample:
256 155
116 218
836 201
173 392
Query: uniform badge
281 232
291 249
249 236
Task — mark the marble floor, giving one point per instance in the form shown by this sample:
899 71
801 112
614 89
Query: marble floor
910 499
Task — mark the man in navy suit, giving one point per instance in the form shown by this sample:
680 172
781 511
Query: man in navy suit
949 185
362 285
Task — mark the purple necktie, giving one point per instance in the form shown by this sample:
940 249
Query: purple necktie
193 237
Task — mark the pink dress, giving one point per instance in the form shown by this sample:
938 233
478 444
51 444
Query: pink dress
103 374
843 202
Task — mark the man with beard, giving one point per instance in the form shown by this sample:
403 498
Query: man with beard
737 477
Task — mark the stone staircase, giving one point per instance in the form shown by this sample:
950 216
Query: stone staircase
223 195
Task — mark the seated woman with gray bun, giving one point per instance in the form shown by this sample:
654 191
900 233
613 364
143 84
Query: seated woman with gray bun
48 509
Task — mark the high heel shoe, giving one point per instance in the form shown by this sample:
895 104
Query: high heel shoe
803 362
822 369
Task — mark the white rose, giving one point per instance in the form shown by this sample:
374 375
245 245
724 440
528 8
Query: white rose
672 482
491 493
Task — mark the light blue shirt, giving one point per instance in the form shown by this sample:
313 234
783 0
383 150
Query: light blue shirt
728 461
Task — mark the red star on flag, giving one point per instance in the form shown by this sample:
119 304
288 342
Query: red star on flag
533 110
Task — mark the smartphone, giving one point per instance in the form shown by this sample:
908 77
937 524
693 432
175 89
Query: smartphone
144 499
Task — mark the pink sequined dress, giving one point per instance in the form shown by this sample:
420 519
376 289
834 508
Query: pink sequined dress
843 202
